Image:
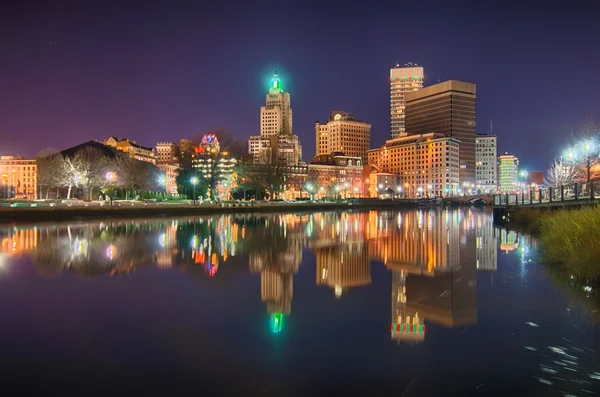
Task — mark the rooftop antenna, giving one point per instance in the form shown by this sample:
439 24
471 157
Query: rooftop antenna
491 127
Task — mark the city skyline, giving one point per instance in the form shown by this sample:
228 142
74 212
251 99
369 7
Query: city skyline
152 78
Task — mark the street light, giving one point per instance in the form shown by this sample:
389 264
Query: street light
194 181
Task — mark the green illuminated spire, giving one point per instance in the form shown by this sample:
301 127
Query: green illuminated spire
275 82
276 322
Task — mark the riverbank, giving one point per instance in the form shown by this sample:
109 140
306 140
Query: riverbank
568 237
140 210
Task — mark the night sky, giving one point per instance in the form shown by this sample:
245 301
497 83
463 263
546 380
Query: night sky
72 71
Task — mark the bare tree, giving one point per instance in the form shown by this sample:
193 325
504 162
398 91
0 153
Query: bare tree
89 164
560 173
135 175
50 171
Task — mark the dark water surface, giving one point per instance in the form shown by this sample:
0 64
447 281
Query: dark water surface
425 302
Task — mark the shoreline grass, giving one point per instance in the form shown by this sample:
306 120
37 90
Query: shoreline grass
570 239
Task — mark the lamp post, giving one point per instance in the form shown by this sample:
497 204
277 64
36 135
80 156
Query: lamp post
309 189
346 185
399 190
194 181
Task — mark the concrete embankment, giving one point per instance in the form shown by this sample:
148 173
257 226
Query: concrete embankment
59 213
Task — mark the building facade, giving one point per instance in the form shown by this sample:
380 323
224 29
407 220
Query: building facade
170 171
134 150
385 185
287 150
259 149
215 165
447 108
486 176
508 171
427 164
167 153
335 175
343 133
186 153
402 80
276 143
19 177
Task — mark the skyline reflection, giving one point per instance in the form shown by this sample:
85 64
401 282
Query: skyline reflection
433 255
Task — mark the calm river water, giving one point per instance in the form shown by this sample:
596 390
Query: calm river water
410 303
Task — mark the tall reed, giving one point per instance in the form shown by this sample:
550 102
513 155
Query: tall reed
571 238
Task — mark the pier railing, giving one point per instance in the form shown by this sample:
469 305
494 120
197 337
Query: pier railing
567 194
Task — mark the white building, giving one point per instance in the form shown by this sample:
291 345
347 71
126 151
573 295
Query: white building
275 129
260 149
402 80
427 164
343 133
486 176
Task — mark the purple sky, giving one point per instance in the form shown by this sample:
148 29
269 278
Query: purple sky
72 71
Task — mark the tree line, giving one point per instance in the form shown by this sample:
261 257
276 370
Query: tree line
91 171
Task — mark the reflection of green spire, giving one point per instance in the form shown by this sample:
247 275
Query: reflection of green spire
276 322
275 82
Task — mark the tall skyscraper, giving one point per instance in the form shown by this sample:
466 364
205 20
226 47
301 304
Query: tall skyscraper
486 177
276 143
447 108
508 170
343 133
276 115
402 80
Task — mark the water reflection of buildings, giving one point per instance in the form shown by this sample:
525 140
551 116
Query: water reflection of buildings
342 256
115 247
276 255
433 255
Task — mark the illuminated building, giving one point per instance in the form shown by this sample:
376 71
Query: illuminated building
186 153
335 175
167 153
134 150
343 133
428 164
402 80
288 151
486 178
19 177
446 108
260 149
384 185
213 163
276 144
171 171
508 171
